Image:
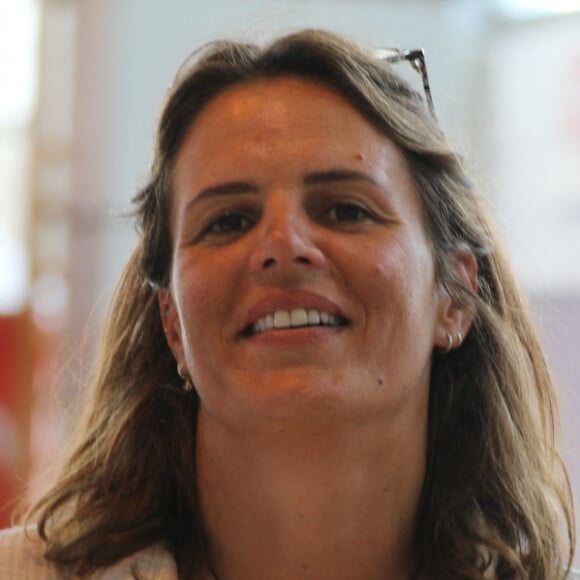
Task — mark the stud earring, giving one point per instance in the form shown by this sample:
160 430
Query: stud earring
187 386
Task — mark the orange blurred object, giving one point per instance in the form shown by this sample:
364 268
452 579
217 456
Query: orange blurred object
15 404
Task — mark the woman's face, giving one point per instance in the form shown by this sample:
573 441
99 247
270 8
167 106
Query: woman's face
302 283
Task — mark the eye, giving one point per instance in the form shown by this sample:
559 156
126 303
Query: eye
228 223
346 213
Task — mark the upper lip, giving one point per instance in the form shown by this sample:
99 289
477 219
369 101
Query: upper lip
290 300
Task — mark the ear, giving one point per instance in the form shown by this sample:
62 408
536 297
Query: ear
456 317
171 323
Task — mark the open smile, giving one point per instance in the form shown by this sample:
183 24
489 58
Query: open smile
295 318
292 310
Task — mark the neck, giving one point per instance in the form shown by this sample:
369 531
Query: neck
338 501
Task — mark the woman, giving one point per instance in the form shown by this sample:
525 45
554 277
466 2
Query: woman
317 364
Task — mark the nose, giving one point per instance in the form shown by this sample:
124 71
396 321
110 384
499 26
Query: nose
285 245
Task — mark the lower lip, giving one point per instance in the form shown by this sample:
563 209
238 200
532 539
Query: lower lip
306 335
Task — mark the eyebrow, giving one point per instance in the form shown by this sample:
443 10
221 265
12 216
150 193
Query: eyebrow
228 188
334 175
315 178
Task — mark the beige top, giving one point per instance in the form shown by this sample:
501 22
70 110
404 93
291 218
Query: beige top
21 559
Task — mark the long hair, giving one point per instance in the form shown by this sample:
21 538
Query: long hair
495 499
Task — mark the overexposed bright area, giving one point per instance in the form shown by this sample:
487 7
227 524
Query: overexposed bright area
526 9
18 76
18 57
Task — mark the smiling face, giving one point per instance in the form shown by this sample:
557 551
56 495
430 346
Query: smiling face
302 280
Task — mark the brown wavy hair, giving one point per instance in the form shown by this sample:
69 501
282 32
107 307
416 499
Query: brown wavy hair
496 496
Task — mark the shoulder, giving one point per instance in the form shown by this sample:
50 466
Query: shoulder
21 558
153 563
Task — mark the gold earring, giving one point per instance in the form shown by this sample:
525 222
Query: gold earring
459 340
187 386
449 342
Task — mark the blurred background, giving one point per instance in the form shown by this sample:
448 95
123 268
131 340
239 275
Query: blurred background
81 86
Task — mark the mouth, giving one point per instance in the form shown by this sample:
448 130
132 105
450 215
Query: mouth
293 319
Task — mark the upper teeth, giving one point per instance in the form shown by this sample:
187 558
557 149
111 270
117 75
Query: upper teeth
295 317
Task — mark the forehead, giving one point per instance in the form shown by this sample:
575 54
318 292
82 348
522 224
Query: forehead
273 98
284 115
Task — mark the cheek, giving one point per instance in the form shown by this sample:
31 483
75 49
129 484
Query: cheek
403 287
199 289
390 276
